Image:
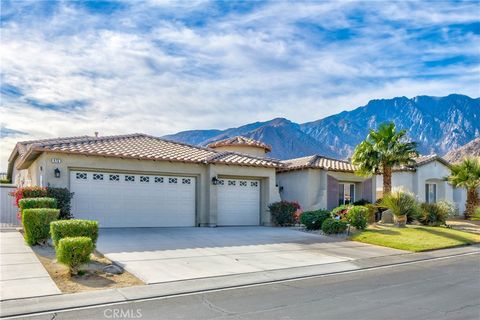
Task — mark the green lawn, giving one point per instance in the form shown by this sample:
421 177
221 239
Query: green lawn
415 238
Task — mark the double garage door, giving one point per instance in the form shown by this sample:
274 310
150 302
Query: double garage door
141 200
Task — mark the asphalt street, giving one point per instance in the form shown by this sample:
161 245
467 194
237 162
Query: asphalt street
438 289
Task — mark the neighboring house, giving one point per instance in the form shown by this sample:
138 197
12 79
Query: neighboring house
139 180
317 182
426 179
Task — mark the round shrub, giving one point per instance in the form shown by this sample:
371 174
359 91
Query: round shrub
358 217
333 226
36 224
341 211
74 252
283 212
312 220
74 228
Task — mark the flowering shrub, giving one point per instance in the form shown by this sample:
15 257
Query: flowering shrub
284 213
340 212
28 192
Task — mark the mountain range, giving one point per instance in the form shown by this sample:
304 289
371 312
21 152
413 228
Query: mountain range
437 124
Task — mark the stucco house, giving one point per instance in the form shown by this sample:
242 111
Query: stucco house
139 180
426 179
318 182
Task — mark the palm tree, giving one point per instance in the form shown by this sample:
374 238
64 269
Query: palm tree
381 151
466 174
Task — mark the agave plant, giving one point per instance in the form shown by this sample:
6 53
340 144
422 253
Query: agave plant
402 204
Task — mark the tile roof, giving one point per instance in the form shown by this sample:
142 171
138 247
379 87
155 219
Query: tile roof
240 141
317 162
321 162
136 146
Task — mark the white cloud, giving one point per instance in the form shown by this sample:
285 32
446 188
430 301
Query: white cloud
149 68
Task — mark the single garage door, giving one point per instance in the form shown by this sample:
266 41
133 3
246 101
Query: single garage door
238 202
133 200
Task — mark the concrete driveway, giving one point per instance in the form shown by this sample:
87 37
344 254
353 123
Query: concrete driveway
171 254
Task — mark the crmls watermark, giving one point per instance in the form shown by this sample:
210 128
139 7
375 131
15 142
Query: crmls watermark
120 313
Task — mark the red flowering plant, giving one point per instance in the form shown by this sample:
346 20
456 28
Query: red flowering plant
27 192
285 213
340 212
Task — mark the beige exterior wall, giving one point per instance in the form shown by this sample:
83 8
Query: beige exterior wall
42 173
254 151
309 186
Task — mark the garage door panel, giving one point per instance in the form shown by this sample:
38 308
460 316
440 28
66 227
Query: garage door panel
238 202
132 200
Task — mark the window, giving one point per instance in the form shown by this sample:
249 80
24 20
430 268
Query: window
114 177
144 179
254 184
231 182
221 182
186 181
243 183
81 176
430 193
172 180
129 178
158 179
97 176
346 193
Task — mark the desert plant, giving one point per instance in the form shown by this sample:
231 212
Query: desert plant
381 151
313 220
74 228
36 224
74 251
333 226
402 204
431 214
466 174
358 217
64 197
283 212
448 207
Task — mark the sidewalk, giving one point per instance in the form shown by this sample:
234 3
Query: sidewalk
21 273
76 300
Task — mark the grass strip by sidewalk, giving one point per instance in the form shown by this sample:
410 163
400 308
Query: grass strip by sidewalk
415 238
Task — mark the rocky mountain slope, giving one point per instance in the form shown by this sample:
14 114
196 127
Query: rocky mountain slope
470 149
438 124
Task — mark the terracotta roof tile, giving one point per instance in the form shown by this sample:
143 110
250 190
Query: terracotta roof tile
317 162
140 146
240 141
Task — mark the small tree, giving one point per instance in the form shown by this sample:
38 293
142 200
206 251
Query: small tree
381 151
466 174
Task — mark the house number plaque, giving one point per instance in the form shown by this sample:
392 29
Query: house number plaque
56 160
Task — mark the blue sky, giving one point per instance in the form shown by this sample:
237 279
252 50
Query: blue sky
159 66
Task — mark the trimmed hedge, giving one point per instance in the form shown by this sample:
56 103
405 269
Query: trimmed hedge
33 203
74 252
313 220
333 226
358 217
74 228
36 224
64 197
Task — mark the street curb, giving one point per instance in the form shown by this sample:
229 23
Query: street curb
26 306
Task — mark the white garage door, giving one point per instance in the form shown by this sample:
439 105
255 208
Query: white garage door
238 202
133 200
